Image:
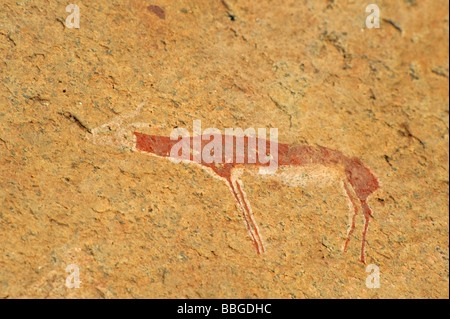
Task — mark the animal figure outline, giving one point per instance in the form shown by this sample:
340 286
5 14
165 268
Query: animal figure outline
358 177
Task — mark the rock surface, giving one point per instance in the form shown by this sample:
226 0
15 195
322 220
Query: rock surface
143 227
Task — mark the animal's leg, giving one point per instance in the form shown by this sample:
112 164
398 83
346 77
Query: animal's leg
243 206
250 215
367 214
352 200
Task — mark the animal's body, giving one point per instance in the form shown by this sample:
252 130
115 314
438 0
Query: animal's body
290 159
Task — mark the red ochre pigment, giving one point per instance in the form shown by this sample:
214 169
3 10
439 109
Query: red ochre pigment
158 11
361 179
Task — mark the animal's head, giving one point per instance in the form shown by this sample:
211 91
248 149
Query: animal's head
117 132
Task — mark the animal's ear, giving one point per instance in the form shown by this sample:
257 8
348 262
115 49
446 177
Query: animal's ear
133 113
117 120
128 114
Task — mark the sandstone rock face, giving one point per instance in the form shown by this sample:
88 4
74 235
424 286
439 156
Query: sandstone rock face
138 226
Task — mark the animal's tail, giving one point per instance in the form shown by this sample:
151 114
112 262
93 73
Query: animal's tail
364 183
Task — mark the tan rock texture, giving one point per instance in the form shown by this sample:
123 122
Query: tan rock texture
143 227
